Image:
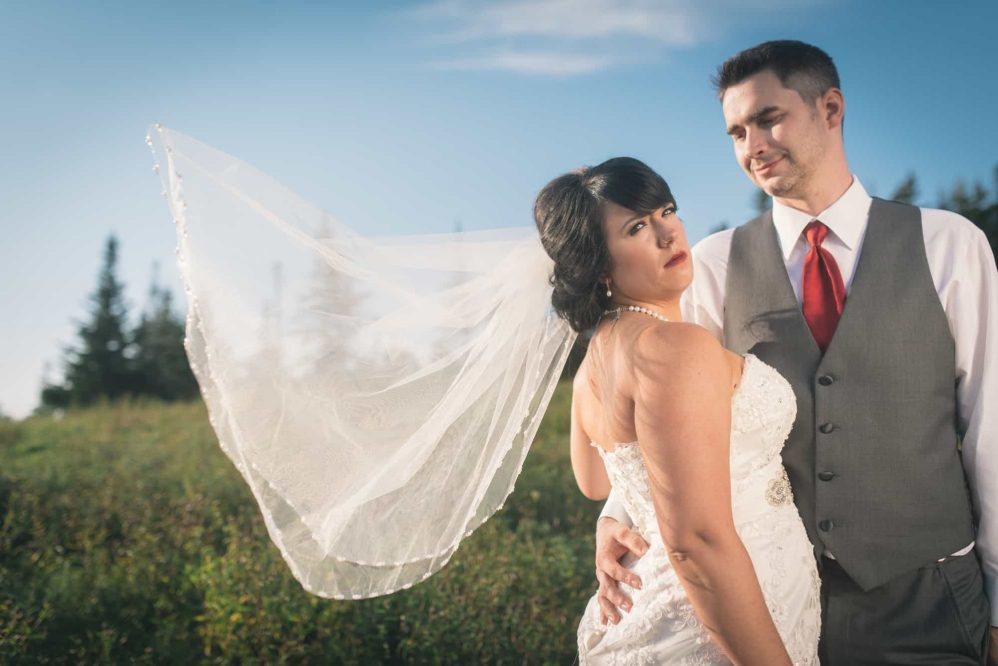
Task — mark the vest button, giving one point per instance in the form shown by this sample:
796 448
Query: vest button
826 380
826 476
826 526
826 427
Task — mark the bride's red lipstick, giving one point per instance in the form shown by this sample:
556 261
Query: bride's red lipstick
677 259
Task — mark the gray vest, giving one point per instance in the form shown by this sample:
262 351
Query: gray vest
873 456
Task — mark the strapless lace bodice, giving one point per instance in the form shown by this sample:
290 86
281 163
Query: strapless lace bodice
763 409
662 628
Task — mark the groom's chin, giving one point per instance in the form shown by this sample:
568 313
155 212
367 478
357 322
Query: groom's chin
777 186
764 184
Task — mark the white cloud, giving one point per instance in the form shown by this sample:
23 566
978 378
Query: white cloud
577 37
548 64
663 22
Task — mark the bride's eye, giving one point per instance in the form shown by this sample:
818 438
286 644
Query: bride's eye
635 228
670 210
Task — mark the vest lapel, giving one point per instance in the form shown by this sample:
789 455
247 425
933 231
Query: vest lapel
858 306
783 318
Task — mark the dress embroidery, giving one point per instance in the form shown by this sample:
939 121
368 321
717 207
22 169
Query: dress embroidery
778 492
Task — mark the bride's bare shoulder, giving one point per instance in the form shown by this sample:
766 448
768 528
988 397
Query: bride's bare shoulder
679 351
675 342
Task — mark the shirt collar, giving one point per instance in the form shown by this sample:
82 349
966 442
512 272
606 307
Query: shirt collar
846 218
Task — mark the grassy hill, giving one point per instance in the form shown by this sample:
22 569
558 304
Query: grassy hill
127 536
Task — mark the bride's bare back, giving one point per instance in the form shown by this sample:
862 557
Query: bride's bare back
604 390
669 387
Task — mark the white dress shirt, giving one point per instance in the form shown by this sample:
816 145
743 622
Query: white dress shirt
963 271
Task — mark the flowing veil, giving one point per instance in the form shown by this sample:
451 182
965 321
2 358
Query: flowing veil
378 394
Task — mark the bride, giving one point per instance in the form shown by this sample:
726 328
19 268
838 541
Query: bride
381 402
688 432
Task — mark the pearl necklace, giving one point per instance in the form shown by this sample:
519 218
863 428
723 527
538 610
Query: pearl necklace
634 308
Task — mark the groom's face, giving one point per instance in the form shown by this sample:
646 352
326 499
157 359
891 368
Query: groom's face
778 138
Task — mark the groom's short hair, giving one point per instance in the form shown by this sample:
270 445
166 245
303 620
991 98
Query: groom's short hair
799 66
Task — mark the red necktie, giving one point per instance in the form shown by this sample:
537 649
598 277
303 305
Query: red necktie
823 293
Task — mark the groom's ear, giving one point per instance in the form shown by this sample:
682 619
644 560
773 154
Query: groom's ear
832 106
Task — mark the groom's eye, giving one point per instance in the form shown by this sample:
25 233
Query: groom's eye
769 121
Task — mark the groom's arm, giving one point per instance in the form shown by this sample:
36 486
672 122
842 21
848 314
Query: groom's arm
970 300
703 302
614 540
614 508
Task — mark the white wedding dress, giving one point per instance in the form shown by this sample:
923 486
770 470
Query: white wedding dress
662 628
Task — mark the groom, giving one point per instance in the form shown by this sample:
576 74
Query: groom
884 318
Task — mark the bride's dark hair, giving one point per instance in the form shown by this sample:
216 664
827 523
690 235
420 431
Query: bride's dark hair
569 216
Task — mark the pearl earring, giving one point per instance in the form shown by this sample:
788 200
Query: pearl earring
608 293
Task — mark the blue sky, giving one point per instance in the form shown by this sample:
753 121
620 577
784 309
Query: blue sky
404 117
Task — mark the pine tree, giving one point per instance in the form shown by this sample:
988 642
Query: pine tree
977 205
160 362
329 302
98 367
907 191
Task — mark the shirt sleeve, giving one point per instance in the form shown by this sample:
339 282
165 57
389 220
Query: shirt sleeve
703 302
614 508
970 299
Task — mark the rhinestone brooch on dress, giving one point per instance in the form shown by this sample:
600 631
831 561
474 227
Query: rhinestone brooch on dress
778 492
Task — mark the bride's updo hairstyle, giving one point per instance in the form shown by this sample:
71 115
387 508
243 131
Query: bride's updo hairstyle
569 216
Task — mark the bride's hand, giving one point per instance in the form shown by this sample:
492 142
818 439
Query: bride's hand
613 541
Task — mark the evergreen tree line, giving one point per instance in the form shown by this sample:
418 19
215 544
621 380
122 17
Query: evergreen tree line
974 202
111 360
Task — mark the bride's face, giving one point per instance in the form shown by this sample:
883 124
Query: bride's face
649 254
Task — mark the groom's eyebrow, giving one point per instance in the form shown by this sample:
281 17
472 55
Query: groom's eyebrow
765 111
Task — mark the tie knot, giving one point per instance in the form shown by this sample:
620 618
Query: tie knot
815 232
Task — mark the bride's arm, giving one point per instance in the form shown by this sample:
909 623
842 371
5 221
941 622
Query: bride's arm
590 473
682 400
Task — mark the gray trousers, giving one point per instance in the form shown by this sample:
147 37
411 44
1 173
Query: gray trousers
936 615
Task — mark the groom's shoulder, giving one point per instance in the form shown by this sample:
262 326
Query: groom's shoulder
714 247
945 226
953 221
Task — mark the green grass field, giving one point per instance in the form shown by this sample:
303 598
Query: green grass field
127 536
